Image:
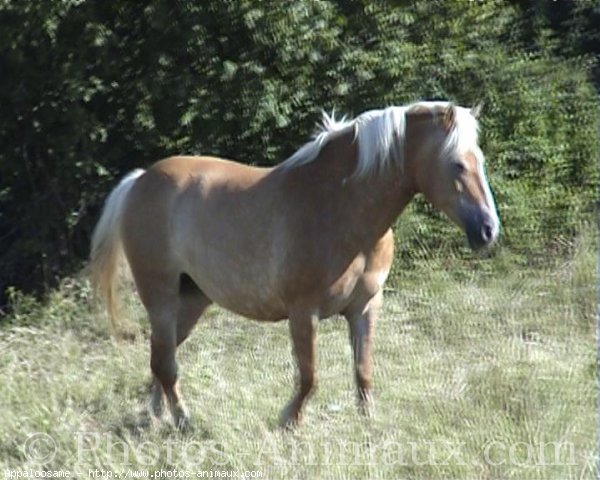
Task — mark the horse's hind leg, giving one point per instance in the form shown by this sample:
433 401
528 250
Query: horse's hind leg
171 325
163 343
159 294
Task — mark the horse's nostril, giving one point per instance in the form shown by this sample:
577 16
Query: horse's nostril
486 232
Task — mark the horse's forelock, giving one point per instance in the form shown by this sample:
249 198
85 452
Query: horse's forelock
464 134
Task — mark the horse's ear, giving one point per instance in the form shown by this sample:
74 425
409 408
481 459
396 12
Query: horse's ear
449 117
476 110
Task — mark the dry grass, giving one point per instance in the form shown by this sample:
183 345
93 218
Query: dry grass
481 373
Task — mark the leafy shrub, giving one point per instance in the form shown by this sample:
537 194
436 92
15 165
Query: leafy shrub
90 90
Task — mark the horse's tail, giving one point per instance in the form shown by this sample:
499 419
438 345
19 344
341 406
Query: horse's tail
106 245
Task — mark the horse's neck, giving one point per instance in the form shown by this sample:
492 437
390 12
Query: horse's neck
380 199
363 207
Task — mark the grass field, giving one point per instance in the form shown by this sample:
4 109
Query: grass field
484 369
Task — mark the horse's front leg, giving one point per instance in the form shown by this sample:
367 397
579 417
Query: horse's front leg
361 322
303 329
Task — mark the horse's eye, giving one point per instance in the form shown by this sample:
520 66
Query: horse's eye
459 167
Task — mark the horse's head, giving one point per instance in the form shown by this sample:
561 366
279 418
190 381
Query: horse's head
446 165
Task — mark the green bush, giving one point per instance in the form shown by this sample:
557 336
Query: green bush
90 90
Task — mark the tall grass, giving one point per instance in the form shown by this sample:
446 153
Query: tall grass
482 370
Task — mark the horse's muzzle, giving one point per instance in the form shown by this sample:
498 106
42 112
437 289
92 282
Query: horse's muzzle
481 229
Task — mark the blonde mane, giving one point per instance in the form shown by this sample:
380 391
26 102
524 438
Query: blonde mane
381 135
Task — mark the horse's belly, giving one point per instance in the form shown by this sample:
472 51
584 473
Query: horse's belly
254 310
251 296
257 309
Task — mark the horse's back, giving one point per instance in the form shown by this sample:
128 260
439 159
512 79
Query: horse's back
163 186
181 169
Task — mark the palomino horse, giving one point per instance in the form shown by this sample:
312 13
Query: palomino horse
304 240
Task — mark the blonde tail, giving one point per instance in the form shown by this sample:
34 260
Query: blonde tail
106 245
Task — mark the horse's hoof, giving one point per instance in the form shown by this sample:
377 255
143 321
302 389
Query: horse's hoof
181 419
290 419
156 409
183 424
289 425
366 405
367 410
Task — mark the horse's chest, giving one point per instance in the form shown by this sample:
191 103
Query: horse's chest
329 289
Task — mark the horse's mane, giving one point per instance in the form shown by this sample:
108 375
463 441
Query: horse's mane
381 135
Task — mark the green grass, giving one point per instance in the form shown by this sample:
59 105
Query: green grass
481 370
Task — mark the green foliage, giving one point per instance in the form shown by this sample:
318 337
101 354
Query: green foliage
90 90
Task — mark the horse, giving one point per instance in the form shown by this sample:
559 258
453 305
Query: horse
304 240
